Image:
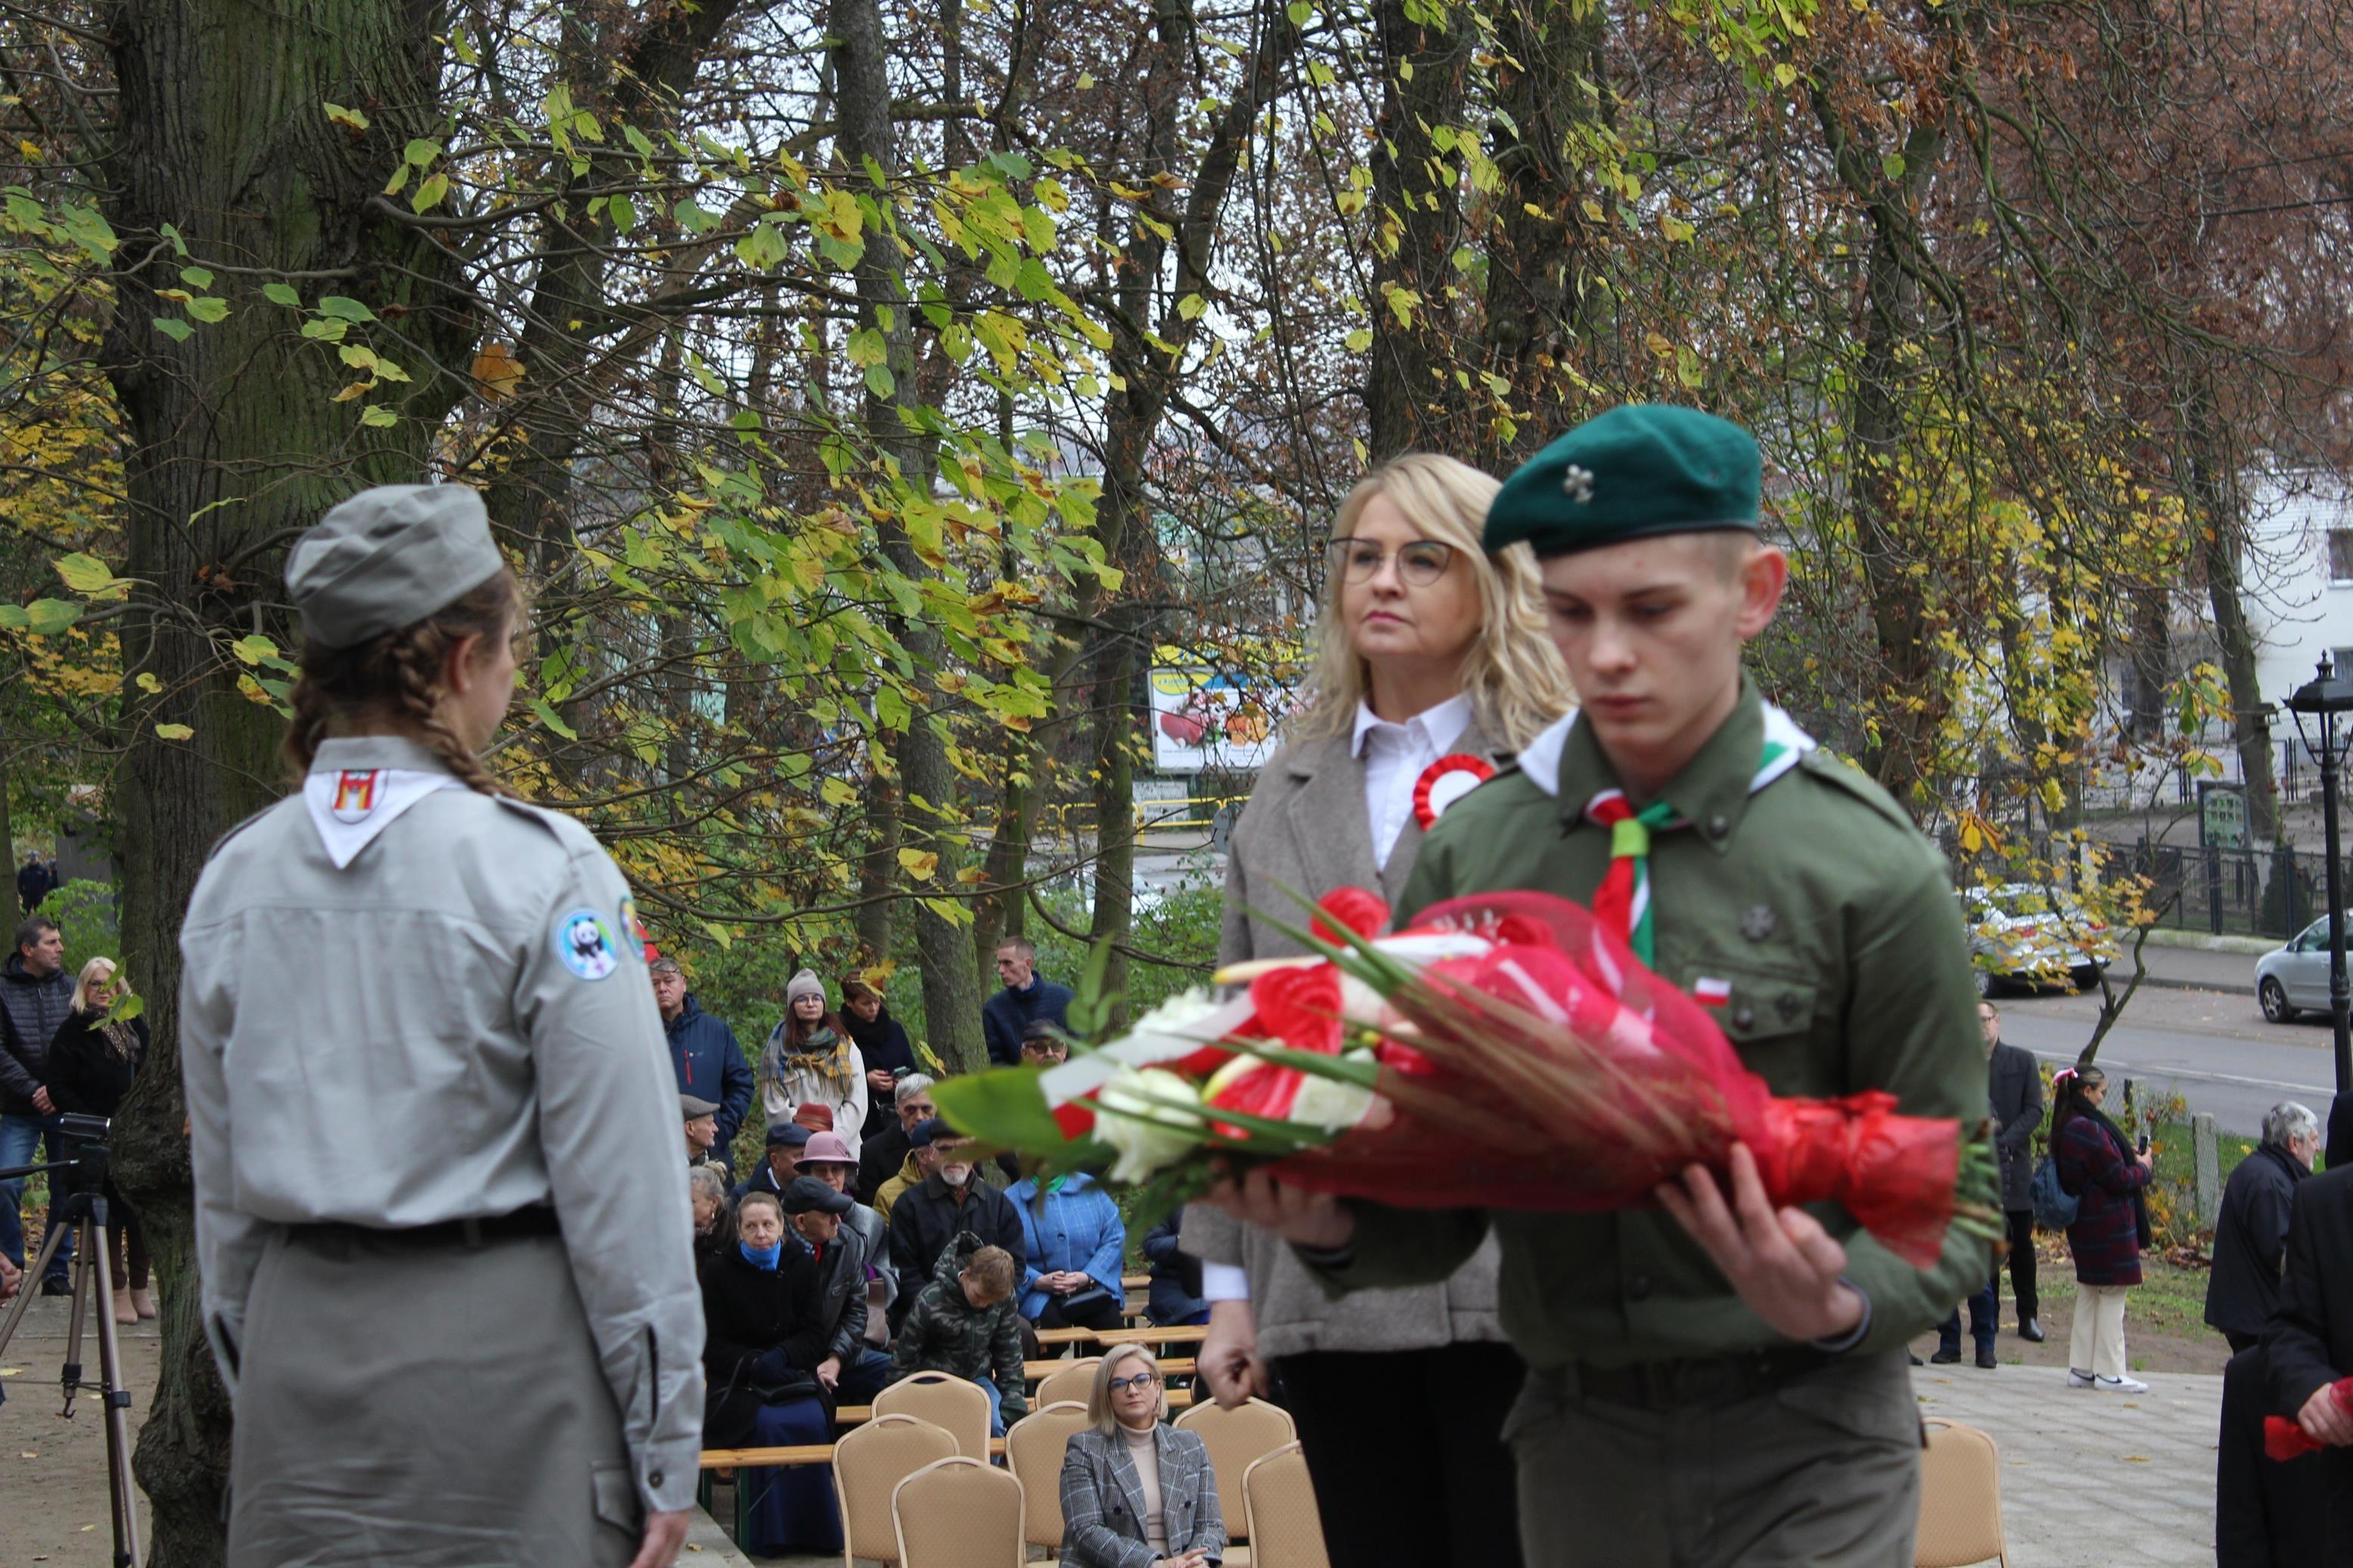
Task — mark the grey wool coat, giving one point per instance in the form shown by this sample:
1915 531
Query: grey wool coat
1305 829
1103 1500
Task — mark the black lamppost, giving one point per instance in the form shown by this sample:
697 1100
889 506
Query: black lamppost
2323 699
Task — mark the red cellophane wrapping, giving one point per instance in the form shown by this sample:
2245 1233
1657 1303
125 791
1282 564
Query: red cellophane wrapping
2283 1439
1556 1072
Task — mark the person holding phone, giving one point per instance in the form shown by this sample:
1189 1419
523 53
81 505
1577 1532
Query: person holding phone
2108 1174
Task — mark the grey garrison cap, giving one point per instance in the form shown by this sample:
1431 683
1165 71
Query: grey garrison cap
388 558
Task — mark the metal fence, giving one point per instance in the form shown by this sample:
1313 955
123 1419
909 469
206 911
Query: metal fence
2247 892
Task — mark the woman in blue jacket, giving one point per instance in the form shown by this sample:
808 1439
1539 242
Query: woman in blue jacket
1073 1244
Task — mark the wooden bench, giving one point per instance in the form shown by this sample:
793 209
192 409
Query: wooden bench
1182 1334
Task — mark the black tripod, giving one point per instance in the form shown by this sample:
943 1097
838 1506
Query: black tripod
84 1210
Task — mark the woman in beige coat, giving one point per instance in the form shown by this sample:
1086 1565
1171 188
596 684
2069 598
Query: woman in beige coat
1430 652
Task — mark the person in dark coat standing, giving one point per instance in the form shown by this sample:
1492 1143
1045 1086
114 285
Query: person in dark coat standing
2099 1164
93 1061
2251 1232
36 880
2016 1084
1025 999
703 1053
2309 1344
36 995
882 1040
949 1201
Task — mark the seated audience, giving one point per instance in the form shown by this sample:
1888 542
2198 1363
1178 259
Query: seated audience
811 1059
1175 1300
950 1202
93 1059
763 1336
1072 1243
963 1322
884 1154
829 1159
714 1218
702 1128
883 1042
850 1372
775 1174
1138 1492
2251 1231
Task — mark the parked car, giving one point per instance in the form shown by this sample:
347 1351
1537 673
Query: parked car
2293 977
2022 933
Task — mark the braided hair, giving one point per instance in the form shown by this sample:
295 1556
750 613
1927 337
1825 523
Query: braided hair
400 673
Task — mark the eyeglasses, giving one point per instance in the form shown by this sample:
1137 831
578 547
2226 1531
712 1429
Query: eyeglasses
1141 1380
1421 561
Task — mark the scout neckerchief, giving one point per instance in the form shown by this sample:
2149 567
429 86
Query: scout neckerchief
1623 903
350 808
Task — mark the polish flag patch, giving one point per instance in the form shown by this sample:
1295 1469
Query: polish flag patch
1710 993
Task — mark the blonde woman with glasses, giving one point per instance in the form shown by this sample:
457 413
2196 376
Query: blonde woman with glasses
94 1058
1138 1492
1433 667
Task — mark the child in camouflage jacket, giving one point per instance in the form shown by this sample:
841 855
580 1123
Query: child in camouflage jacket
963 1323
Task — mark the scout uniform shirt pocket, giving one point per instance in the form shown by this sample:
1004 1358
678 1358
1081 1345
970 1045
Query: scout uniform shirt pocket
1768 1015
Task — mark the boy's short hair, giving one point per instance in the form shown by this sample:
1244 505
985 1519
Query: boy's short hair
991 1268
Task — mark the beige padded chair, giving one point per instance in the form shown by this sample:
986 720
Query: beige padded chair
1071 1380
1285 1531
958 1512
869 1463
1237 1439
1033 1452
1960 1498
957 1403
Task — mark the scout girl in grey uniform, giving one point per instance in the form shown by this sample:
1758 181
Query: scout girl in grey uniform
445 1244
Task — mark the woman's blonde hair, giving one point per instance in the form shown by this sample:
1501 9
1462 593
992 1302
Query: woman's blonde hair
1514 675
1100 1414
94 973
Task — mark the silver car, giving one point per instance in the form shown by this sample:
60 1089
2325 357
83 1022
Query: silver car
2292 978
2024 934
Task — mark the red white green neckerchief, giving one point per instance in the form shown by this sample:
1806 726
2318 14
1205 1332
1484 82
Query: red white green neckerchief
1623 903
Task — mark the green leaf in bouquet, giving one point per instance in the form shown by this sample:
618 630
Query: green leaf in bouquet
1002 1106
1362 1071
1090 1009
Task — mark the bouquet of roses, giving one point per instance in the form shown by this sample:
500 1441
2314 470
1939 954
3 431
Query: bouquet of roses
1506 1051
2284 1438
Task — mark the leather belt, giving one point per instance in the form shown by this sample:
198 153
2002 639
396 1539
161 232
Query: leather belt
1695 1380
537 1220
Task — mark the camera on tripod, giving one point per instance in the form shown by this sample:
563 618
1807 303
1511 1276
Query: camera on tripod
84 1138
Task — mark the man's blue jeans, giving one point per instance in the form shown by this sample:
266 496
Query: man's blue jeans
20 1135
996 1406
863 1376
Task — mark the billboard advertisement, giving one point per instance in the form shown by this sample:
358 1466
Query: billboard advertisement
1204 719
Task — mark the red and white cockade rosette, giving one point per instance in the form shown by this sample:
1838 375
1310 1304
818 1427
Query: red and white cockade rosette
1376 1073
1443 783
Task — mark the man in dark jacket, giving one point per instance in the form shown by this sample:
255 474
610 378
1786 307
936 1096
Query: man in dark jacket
817 1217
2308 1343
703 1053
2251 1235
949 1201
775 1174
881 1156
1005 1015
34 881
2016 1084
36 995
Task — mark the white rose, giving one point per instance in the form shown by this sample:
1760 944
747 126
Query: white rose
1148 1136
1330 1103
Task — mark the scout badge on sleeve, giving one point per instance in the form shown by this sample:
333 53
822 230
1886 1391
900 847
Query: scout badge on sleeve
1446 781
585 942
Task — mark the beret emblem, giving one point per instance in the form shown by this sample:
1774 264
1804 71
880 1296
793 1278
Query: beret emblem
1576 484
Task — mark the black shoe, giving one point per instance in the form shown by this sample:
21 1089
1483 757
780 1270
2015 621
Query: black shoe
2030 1331
1986 1359
56 1287
1946 1357
1915 1359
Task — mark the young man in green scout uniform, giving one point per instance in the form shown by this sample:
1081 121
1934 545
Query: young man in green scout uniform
1711 1382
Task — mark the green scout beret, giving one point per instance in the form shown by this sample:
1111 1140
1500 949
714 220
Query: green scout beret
388 558
1639 470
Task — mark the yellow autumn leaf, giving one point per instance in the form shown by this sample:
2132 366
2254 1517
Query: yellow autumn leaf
920 864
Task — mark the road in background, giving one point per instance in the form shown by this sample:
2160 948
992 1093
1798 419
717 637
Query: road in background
2213 1047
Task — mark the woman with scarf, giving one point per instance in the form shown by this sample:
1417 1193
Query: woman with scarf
883 1042
93 1058
2099 1165
764 1333
811 1059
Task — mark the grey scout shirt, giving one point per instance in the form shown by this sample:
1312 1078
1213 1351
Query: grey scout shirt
412 1039
1834 924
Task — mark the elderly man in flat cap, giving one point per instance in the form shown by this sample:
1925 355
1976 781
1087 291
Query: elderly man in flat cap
1711 1382
447 1268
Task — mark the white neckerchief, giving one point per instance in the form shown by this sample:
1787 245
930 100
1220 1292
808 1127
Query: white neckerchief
350 808
1396 756
1784 743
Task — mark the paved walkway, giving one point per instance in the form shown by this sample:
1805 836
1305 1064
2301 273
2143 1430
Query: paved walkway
2194 969
2087 1478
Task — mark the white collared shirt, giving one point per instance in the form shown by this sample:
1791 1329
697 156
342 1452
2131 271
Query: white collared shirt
1396 756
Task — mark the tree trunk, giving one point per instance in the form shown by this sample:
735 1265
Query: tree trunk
2221 527
878 868
1409 404
928 817
232 447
